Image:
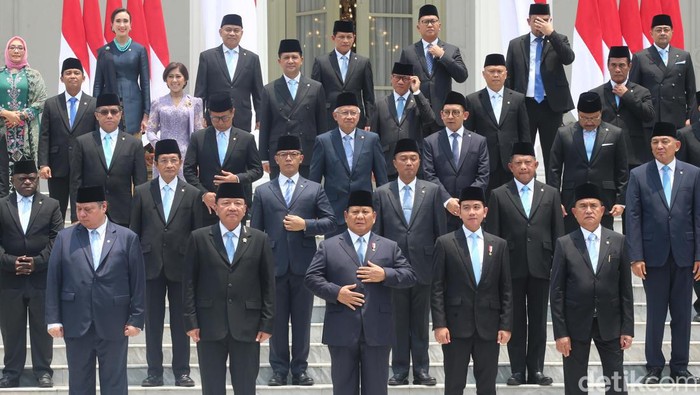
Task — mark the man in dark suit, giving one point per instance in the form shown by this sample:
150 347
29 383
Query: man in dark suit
415 120
409 211
354 272
345 71
4 167
527 214
663 243
592 296
66 117
590 151
435 62
455 158
232 70
229 295
627 105
95 295
165 212
669 75
291 105
535 63
221 154
468 262
499 114
346 158
30 222
292 211
111 158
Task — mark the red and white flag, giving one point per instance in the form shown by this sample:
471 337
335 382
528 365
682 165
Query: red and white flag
139 32
93 34
514 14
612 34
647 10
673 9
587 70
160 56
111 6
73 43
631 26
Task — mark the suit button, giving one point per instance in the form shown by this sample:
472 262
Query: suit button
165 230
408 232
230 301
529 239
230 285
674 84
528 224
165 244
70 148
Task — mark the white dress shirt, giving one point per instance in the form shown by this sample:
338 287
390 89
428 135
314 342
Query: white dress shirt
24 217
671 172
411 185
533 62
236 234
354 237
479 242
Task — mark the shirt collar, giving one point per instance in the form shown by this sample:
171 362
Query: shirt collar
339 55
227 131
533 38
613 83
492 92
520 185
405 95
671 165
236 231
112 134
467 232
411 184
595 232
20 197
283 179
659 49
425 43
343 134
354 236
226 49
78 96
459 131
172 184
287 79
102 229
589 131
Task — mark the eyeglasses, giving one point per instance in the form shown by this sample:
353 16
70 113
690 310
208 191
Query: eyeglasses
454 113
427 22
404 78
348 113
19 48
223 118
284 154
107 111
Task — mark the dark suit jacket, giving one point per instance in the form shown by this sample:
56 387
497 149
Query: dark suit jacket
334 266
689 137
436 86
45 221
530 239
454 302
635 108
556 53
358 80
569 166
439 168
655 229
80 297
57 138
417 122
292 250
329 164
213 78
164 240
4 167
417 237
512 126
127 170
280 115
672 87
577 293
202 160
221 299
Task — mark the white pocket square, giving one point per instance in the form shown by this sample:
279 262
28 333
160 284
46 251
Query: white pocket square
606 144
681 62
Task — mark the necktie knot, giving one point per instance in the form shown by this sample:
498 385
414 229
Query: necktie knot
538 40
592 237
361 249
166 188
666 169
94 234
347 138
72 100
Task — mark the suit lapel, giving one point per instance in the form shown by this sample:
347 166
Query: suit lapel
339 150
505 106
240 66
81 111
373 244
486 258
282 92
460 241
63 110
242 246
37 204
677 181
579 144
232 140
155 194
655 58
485 99
359 146
525 49
537 195
352 63
298 190
604 250
333 60
395 200
179 192
444 143
609 96
418 197
110 239
466 141
215 237
276 191
221 61
302 91
14 210
119 141
601 136
420 54
655 179
345 242
580 243
84 242
99 149
391 106
514 196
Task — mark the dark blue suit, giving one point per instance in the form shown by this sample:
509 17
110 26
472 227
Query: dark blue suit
95 305
667 239
328 162
292 253
359 340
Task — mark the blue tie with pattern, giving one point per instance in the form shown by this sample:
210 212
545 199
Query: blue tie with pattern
230 246
71 110
593 251
288 191
361 250
406 204
539 85
400 103
666 183
455 147
429 60
343 67
108 149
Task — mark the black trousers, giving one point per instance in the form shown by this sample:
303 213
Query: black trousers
292 301
111 355
155 316
545 120
244 363
526 348
59 189
611 357
359 369
16 305
411 308
457 354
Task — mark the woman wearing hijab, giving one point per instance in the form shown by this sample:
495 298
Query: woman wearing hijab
22 96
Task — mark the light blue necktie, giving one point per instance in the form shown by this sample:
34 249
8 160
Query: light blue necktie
361 250
230 246
539 85
664 56
666 183
429 60
222 145
496 103
230 56
167 201
593 251
108 149
71 110
406 204
589 142
343 66
288 191
24 215
96 248
293 88
455 147
347 145
400 104
475 257
525 198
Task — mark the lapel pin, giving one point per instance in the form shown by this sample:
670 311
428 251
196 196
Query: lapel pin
182 190
301 186
245 240
681 172
109 241
608 258
490 250
362 137
541 189
234 139
107 48
41 202
129 49
508 102
374 247
123 138
422 191
308 84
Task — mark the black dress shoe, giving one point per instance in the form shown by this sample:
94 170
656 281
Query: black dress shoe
8 383
423 378
540 379
184 380
516 379
152 381
277 380
302 379
653 376
684 377
45 381
399 379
